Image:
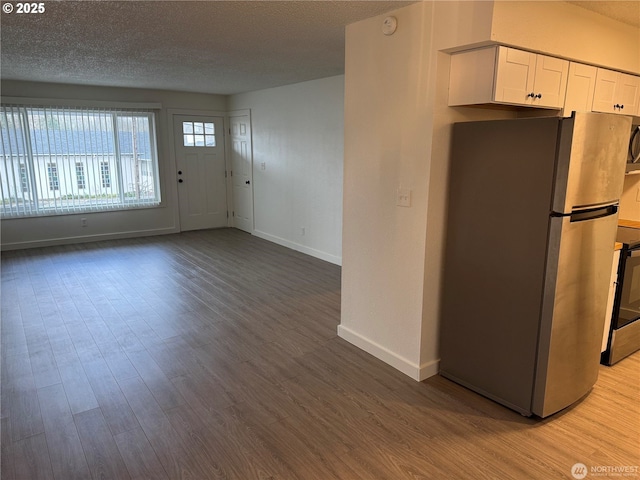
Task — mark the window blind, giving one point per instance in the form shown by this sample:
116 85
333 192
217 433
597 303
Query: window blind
61 160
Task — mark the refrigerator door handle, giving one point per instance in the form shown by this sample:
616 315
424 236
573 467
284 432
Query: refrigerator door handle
589 213
593 213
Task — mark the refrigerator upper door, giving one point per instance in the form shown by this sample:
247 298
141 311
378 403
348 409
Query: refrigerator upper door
573 310
592 154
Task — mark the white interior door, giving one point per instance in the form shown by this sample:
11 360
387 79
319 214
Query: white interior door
241 165
200 162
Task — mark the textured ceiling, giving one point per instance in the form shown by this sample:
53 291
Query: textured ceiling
198 46
220 47
621 10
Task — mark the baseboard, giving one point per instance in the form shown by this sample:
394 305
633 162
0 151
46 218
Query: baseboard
417 372
429 369
85 239
327 257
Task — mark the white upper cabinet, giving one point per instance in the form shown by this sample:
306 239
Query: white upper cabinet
507 76
616 92
580 87
527 78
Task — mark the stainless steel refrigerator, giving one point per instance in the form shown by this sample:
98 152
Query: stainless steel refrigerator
532 219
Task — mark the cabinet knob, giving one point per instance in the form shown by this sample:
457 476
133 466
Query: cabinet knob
618 106
532 95
538 95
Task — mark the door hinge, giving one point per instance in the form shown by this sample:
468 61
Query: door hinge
225 174
227 213
233 213
231 171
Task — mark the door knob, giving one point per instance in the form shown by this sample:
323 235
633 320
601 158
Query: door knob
248 182
180 181
179 172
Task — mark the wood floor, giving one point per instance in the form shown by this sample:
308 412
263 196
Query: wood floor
213 355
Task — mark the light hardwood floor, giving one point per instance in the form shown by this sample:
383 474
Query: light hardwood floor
214 355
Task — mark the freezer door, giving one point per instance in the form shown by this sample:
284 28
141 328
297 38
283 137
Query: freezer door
591 160
573 309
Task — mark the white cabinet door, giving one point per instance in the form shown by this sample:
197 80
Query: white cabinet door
581 84
628 94
515 72
550 81
616 92
605 91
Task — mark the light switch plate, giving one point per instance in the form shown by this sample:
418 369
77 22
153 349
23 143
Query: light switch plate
403 197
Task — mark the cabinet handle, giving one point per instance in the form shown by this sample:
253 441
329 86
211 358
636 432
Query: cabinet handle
538 95
532 95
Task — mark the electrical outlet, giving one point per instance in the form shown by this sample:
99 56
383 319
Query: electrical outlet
263 166
83 222
303 231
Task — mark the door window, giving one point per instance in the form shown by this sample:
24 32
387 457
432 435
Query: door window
198 134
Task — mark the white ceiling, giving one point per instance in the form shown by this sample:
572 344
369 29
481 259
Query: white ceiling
210 46
621 10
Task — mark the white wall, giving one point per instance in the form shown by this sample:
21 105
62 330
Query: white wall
397 133
297 133
41 231
387 145
390 119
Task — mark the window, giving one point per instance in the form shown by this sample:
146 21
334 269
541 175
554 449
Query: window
111 153
24 181
199 134
52 175
80 179
105 175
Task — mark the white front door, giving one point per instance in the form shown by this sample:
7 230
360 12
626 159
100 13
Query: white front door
202 191
241 165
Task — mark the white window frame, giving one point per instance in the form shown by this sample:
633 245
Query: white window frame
29 204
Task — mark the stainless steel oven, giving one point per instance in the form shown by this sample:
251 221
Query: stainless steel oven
624 333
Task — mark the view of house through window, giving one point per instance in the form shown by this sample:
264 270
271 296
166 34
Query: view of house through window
65 160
